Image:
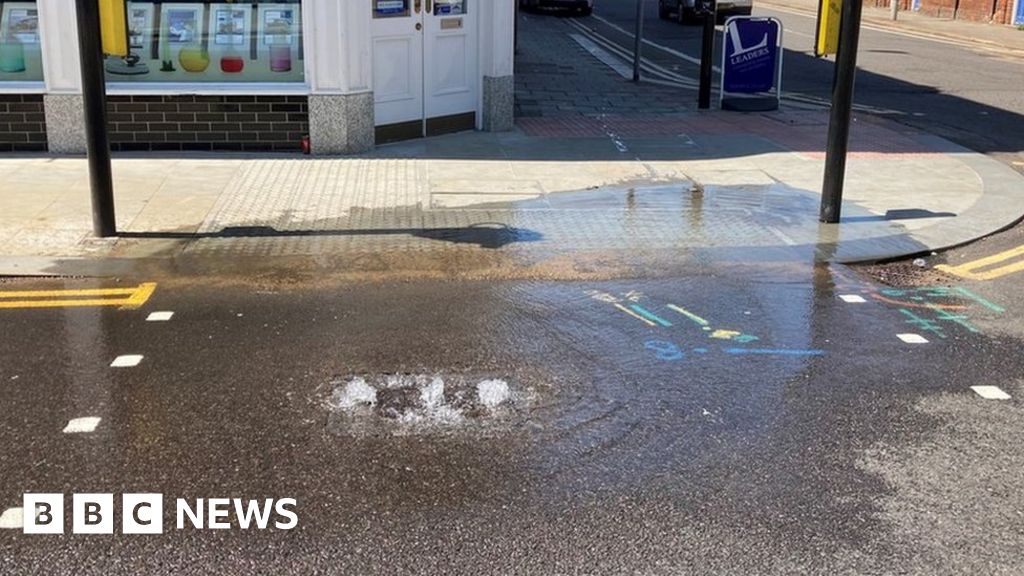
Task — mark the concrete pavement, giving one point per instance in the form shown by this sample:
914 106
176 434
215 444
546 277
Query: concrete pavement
638 182
596 164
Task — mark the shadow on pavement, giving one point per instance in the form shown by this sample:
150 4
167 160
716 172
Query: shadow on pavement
484 235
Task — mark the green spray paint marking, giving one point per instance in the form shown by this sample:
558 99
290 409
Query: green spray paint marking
967 293
959 319
923 323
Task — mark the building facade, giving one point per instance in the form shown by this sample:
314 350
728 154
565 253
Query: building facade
262 75
993 11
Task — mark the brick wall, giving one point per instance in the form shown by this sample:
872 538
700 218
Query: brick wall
904 4
985 10
238 123
997 12
22 123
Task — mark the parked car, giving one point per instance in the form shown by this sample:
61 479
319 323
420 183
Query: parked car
683 10
584 7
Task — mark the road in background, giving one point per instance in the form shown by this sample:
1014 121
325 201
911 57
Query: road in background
972 96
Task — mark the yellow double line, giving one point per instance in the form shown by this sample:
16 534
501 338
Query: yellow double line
125 298
975 270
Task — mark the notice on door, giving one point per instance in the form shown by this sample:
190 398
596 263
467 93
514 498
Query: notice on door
390 8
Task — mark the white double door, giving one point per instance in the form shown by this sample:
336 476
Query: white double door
425 60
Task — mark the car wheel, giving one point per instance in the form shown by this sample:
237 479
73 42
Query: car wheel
587 11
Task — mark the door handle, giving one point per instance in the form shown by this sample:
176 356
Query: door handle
430 6
418 6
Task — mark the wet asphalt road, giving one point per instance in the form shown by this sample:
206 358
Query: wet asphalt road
825 445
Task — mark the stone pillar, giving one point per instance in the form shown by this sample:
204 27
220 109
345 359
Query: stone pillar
65 124
341 99
497 53
341 123
499 103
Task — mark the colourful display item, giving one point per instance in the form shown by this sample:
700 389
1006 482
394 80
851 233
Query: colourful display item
194 59
232 64
280 58
12 57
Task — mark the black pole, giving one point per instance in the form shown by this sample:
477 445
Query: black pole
839 118
638 39
706 56
94 100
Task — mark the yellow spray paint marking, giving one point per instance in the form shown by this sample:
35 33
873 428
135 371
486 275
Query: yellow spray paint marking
125 298
689 315
973 270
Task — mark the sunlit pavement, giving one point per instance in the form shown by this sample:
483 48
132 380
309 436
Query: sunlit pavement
739 418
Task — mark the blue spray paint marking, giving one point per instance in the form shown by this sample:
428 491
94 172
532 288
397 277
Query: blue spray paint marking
668 351
649 315
774 352
664 350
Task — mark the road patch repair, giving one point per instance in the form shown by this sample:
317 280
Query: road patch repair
415 404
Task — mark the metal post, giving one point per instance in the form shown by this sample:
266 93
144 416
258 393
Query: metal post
94 100
706 56
894 9
515 31
638 39
839 118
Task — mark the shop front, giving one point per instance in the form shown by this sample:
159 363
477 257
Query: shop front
262 75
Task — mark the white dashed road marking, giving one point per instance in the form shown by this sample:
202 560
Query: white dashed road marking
852 299
912 338
12 518
126 361
990 392
82 425
160 317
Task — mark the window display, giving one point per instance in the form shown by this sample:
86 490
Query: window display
219 41
20 50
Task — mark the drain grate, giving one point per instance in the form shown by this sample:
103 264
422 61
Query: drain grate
908 275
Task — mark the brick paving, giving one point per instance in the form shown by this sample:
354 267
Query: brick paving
802 132
562 91
555 76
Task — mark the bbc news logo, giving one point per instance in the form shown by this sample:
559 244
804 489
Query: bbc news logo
144 514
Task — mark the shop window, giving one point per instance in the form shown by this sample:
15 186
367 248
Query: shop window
20 50
219 41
